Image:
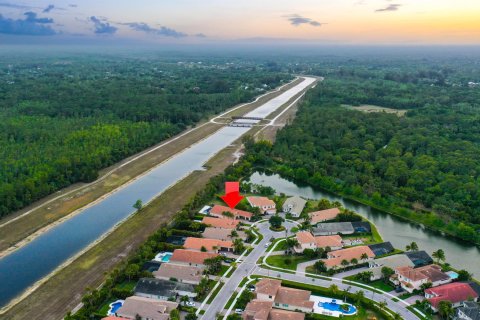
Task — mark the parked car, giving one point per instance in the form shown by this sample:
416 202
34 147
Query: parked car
238 311
190 304
267 244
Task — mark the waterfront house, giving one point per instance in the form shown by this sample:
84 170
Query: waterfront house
218 211
223 223
323 215
335 258
392 262
146 308
163 289
381 249
457 293
181 273
326 229
294 206
209 245
307 241
265 205
412 279
191 257
419 258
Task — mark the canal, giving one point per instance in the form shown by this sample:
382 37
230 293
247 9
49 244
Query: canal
22 268
399 232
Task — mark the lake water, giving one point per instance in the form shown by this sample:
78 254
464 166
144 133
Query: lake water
27 265
399 232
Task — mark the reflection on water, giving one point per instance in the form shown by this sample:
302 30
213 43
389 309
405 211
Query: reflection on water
399 232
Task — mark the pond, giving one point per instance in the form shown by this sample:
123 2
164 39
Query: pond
399 232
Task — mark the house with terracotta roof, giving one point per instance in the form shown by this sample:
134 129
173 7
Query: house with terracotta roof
179 272
361 253
222 234
457 293
323 215
218 211
191 257
209 245
282 297
113 318
223 223
412 279
266 205
307 241
146 308
263 310
294 206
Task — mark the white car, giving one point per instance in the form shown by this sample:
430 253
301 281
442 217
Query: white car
267 244
190 304
238 311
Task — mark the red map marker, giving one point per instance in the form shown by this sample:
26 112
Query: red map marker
232 194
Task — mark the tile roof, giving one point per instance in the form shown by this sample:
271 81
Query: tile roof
268 286
305 237
190 256
193 243
295 204
329 241
186 273
336 257
260 202
221 234
277 314
257 310
294 297
220 222
432 273
324 215
146 308
453 292
218 210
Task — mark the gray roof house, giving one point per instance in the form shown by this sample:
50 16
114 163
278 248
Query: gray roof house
163 289
392 262
325 229
469 311
294 206
381 248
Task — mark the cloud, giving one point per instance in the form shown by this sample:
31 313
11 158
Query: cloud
49 8
14 6
31 25
391 7
102 26
162 31
72 5
297 20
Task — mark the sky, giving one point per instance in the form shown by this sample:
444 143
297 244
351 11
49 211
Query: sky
410 22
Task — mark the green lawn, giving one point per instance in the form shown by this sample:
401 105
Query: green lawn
286 262
214 294
129 285
379 284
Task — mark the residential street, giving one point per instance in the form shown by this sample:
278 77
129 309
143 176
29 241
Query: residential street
249 267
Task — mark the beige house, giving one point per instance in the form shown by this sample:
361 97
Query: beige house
266 205
294 206
282 297
307 241
182 273
263 310
146 308
412 279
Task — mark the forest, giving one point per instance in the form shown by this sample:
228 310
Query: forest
423 166
63 117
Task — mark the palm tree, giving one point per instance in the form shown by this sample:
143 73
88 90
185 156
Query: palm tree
344 263
445 309
354 261
359 296
439 255
184 299
334 289
364 257
412 246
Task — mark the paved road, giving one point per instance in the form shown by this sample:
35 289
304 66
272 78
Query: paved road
243 270
394 306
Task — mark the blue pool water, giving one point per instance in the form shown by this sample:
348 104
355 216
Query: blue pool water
167 257
452 274
334 306
115 306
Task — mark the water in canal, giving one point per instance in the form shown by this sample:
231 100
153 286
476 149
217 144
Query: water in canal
24 267
399 232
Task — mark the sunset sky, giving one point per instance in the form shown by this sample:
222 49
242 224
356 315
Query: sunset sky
319 21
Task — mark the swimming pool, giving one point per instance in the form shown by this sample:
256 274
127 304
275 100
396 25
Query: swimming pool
332 307
163 257
452 274
114 306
